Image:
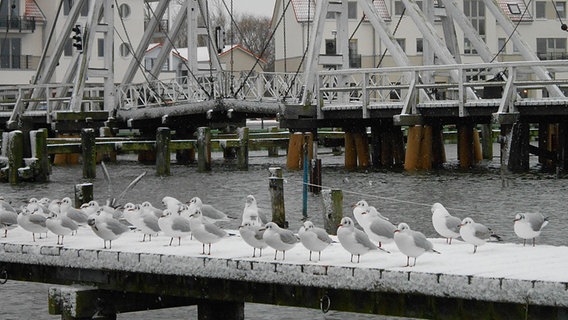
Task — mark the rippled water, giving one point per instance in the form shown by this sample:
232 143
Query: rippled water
401 196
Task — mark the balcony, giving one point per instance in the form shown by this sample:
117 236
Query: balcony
20 62
552 55
17 24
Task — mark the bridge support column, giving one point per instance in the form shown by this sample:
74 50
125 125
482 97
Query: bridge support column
163 138
466 145
438 148
546 135
220 310
203 149
487 141
89 153
356 149
295 159
387 146
519 151
420 148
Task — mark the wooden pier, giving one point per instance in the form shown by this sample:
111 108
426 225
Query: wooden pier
500 281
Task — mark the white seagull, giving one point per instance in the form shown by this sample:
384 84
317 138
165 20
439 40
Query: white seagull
314 238
61 225
476 233
8 217
205 232
363 206
376 227
174 225
279 239
147 206
444 223
106 227
251 213
411 243
528 225
77 215
208 212
171 203
33 221
354 240
253 236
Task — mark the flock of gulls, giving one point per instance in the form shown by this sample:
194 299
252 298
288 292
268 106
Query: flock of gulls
197 220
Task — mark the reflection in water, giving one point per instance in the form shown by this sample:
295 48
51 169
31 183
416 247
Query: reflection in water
401 196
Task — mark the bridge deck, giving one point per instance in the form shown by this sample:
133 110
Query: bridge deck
498 273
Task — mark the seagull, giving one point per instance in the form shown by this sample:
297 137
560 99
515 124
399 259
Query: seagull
78 216
411 243
90 207
106 227
252 234
144 220
174 225
444 223
354 240
251 213
8 217
205 232
528 225
279 239
314 238
476 233
147 206
208 212
171 203
32 221
376 227
61 225
363 206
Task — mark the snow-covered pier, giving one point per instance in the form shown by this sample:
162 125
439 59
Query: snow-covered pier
504 281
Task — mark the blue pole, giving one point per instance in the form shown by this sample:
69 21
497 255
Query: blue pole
305 185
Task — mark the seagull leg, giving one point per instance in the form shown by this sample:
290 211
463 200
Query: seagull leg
6 233
351 258
253 252
275 253
283 255
319 256
534 242
524 242
209 252
110 244
62 240
414 262
474 248
260 254
358 258
310 255
203 246
33 236
450 241
179 241
172 239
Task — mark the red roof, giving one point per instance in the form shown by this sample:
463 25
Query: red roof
33 10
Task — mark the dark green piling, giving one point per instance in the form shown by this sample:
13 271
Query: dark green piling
332 200
276 186
163 138
89 153
40 145
83 193
203 149
15 155
273 151
243 153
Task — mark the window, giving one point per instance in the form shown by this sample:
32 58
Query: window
330 48
540 10
561 9
514 8
354 56
68 48
352 10
419 45
500 45
398 7
124 50
124 10
10 53
402 43
68 4
551 48
101 47
330 15
475 11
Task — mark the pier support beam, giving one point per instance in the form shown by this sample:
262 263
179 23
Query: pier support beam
163 138
387 145
425 148
298 140
356 149
487 141
203 149
220 310
466 145
519 151
89 153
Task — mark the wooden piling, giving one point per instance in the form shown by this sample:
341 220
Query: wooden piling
109 156
40 151
465 145
519 150
362 148
376 146
487 141
315 176
438 149
411 160
350 151
243 151
89 153
276 187
332 202
163 138
294 151
83 194
273 151
425 152
203 149
15 155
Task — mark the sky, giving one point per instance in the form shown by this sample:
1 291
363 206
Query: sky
256 7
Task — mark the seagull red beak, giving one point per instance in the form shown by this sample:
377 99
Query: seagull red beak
395 231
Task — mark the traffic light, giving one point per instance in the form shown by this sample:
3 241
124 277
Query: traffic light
77 38
219 39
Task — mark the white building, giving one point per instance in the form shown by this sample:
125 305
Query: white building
538 26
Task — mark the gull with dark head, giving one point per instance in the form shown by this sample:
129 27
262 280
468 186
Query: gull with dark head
252 234
8 217
205 232
61 225
476 233
33 221
174 225
355 241
528 225
411 243
106 227
208 212
314 238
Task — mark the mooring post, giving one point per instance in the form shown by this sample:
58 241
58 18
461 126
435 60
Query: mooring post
40 145
487 141
243 152
315 176
276 186
15 155
305 179
163 138
273 151
83 193
89 153
332 200
215 310
294 151
203 149
350 150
